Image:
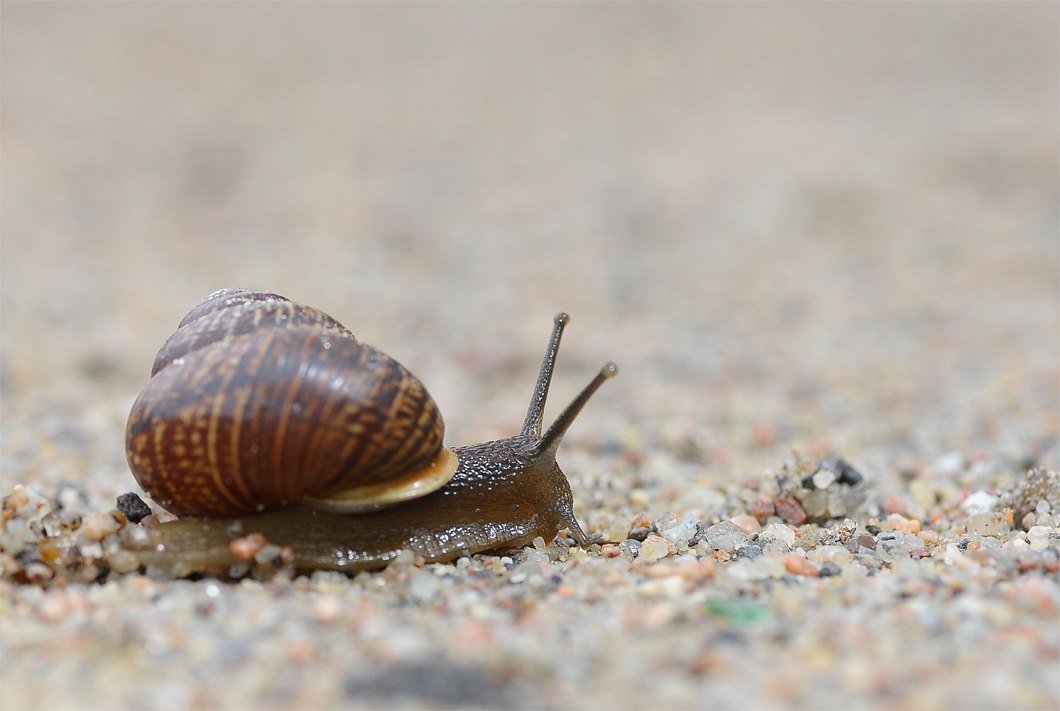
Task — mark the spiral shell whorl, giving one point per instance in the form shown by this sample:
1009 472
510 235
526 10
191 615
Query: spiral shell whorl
227 313
257 417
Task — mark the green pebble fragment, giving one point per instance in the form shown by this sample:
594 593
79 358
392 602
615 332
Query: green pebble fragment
737 610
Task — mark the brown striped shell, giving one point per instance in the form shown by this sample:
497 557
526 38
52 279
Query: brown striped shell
256 402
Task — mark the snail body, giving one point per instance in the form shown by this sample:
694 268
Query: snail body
266 416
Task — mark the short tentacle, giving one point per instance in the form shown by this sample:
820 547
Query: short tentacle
550 442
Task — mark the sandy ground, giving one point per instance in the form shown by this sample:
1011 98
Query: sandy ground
827 229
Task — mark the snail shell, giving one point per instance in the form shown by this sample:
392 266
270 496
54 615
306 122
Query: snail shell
256 402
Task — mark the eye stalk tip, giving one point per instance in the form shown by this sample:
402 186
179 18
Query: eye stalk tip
562 318
609 369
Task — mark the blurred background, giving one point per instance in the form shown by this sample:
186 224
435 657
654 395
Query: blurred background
822 227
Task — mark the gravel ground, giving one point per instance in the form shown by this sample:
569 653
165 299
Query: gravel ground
820 240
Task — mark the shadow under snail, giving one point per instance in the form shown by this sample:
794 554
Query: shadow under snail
263 415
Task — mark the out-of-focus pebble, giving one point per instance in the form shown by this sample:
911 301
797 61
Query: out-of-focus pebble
899 522
424 585
759 568
824 478
814 505
762 507
749 524
790 510
1038 537
978 503
98 526
797 565
638 498
246 547
15 501
953 556
950 463
985 524
326 609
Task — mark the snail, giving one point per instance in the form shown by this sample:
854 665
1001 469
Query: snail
265 416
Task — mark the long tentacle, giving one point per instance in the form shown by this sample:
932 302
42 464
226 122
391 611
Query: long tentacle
536 412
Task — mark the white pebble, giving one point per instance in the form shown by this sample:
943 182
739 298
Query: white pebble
978 503
823 478
726 536
778 532
654 548
681 533
761 568
950 463
536 555
985 524
424 585
18 529
327 609
1038 537
98 526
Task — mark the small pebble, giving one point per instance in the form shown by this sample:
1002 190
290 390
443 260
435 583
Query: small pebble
122 561
638 498
424 585
778 532
953 556
978 503
791 511
895 503
133 507
1038 537
748 552
761 508
763 433
824 478
53 607
655 548
19 530
98 526
726 536
905 525
639 533
326 609
847 474
814 505
16 500
985 524
667 520
950 463
247 547
749 524
681 532
797 565
70 495
268 554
